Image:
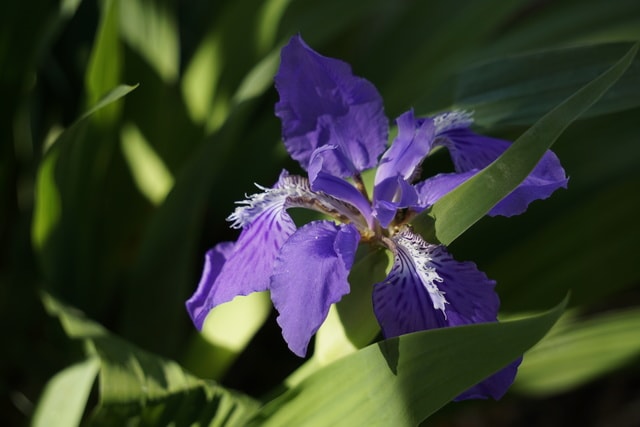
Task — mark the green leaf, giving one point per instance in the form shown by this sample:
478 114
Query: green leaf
518 90
149 172
532 281
579 352
151 30
351 323
65 396
461 208
48 199
401 381
226 332
164 266
105 63
137 386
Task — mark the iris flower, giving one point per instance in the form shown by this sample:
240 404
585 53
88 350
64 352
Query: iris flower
334 126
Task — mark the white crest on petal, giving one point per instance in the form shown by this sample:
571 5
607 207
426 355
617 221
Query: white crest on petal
292 191
418 252
452 120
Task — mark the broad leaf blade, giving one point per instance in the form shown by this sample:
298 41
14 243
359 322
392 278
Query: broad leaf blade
580 352
65 395
460 209
136 385
518 90
401 381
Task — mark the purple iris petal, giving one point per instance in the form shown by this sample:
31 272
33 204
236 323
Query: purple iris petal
494 386
322 102
248 267
392 189
428 289
336 186
213 262
309 275
432 189
390 195
472 151
409 148
245 268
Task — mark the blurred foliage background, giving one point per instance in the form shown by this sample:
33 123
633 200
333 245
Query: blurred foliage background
111 212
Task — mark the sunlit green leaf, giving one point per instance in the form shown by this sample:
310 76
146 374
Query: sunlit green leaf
401 381
461 208
150 28
149 171
164 267
105 64
50 184
351 323
137 386
65 396
226 333
579 352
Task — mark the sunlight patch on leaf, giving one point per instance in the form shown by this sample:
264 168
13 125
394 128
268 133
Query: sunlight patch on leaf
153 178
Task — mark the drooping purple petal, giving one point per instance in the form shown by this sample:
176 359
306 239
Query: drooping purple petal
432 189
309 275
428 289
472 151
247 267
336 186
213 262
408 150
494 386
322 102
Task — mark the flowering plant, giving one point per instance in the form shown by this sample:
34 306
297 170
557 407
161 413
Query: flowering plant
333 124
341 294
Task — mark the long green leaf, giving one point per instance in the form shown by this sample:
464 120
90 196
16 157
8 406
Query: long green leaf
150 28
531 281
460 209
518 90
401 381
105 64
579 352
65 396
138 386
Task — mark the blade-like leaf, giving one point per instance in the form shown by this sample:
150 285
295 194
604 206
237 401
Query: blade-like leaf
351 323
460 209
401 381
150 28
579 352
105 64
65 396
518 90
136 385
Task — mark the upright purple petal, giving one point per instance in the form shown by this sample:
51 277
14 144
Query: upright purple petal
471 151
409 148
390 195
213 262
398 165
321 103
428 289
309 275
335 186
